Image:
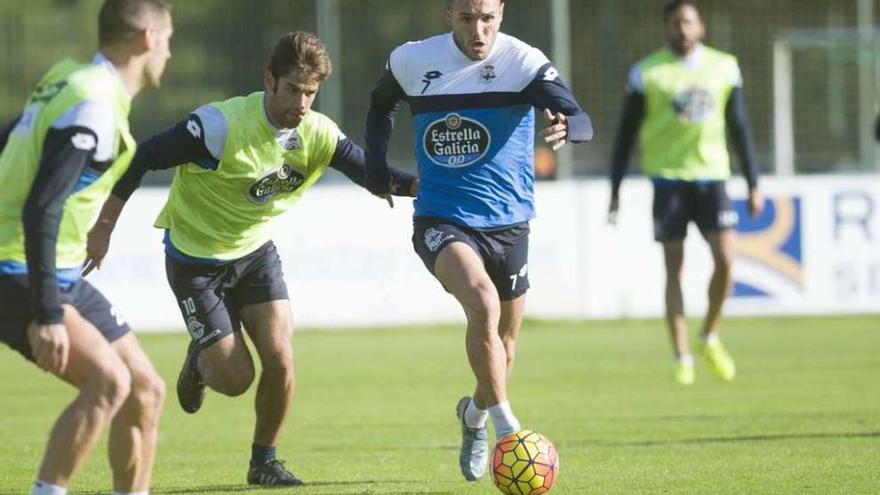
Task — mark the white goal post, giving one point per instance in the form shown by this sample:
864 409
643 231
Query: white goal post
865 45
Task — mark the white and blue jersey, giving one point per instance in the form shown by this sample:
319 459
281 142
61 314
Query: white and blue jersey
475 127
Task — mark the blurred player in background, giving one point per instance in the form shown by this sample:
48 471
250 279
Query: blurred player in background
58 164
472 93
240 164
681 101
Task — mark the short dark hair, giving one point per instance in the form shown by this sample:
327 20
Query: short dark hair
301 52
119 20
673 6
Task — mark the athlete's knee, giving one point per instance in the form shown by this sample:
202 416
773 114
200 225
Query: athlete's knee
481 304
109 386
148 393
509 350
279 367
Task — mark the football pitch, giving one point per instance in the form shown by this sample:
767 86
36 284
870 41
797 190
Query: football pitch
374 413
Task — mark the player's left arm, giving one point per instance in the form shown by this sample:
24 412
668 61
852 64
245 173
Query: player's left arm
350 159
6 130
744 144
567 122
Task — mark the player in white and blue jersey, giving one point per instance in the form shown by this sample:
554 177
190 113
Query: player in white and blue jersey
472 93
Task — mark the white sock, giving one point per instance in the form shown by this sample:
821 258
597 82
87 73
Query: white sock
710 339
503 419
686 359
43 488
147 492
474 417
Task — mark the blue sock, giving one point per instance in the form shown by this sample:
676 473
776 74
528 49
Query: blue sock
261 455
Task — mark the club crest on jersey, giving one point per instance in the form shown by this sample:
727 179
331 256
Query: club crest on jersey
487 74
456 141
693 105
291 141
282 181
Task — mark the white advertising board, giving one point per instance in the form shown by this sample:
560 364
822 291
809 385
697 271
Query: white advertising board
348 258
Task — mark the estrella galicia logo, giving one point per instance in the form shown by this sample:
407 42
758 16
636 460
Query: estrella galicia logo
281 181
769 250
429 77
693 105
456 141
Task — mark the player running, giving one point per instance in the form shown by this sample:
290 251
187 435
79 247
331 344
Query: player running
472 93
240 164
59 161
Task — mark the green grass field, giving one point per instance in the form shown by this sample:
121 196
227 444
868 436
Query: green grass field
374 413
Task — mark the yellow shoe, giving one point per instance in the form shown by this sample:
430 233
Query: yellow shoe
683 374
719 360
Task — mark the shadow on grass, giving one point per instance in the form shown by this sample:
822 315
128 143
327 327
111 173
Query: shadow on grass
218 489
743 439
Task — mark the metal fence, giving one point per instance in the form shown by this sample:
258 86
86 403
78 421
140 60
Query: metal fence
221 47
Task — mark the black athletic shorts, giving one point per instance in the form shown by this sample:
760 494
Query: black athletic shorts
678 203
210 296
505 251
16 315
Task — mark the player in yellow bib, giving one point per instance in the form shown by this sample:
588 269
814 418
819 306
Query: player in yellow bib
59 162
239 164
681 101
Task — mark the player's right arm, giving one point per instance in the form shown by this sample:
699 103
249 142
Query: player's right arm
384 104
198 139
631 119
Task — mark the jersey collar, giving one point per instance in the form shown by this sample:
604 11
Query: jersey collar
692 59
101 60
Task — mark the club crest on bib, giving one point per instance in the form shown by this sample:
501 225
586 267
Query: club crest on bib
693 105
291 141
281 181
456 141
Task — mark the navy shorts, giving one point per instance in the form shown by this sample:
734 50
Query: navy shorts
210 296
678 203
16 315
505 251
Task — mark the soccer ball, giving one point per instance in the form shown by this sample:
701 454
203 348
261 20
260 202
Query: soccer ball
524 463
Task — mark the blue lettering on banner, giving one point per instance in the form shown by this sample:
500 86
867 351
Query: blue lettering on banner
854 210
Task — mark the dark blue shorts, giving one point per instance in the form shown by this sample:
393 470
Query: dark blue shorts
210 296
505 251
16 315
676 203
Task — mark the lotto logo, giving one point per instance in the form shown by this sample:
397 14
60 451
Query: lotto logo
194 128
83 141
